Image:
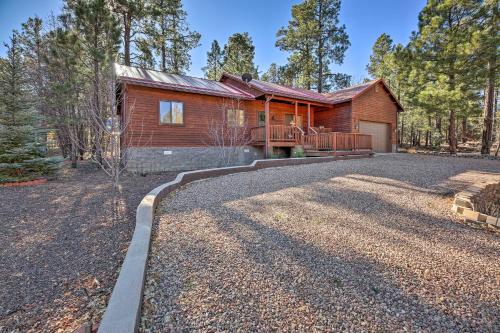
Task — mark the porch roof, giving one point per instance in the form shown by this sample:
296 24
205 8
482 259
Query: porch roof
278 90
347 94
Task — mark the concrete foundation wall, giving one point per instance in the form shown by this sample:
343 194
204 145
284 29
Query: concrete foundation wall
159 159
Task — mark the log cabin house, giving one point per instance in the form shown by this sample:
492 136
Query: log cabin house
176 122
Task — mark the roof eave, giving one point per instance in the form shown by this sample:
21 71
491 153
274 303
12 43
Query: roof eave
167 86
400 107
273 92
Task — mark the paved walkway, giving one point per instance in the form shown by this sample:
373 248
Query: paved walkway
350 245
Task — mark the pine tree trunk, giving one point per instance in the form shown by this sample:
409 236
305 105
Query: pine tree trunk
429 123
402 130
464 129
127 23
412 135
489 93
452 132
163 49
452 126
428 133
320 48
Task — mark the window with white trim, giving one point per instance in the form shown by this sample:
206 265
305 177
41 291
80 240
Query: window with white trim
171 112
235 118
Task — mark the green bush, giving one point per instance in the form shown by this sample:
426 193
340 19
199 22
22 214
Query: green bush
22 155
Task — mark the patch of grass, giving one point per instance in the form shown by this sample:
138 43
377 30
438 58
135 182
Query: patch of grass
189 285
337 282
280 216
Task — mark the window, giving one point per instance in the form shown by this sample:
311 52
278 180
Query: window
262 118
171 112
235 118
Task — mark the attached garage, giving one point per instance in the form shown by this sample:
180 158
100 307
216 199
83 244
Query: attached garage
369 108
381 135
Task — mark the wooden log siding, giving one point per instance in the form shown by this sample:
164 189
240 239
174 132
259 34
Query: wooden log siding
338 118
144 129
377 106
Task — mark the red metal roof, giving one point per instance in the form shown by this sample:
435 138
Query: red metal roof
347 94
151 78
157 79
284 91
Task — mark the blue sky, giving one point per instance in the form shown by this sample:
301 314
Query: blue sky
217 19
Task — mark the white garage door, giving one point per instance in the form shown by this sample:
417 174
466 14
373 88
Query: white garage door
380 133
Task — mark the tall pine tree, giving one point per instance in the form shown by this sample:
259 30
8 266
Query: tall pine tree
129 13
443 45
167 33
380 65
489 40
317 40
215 57
239 53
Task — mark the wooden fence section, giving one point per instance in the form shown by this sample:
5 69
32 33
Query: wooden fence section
338 141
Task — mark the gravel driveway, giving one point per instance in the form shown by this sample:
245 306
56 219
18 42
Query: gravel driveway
359 245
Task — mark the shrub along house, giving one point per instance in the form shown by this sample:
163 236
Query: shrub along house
177 122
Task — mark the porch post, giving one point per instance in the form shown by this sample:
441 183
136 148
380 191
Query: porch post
267 127
308 117
296 112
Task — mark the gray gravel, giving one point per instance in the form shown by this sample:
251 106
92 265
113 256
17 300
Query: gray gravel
360 245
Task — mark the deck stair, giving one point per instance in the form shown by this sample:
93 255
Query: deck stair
317 153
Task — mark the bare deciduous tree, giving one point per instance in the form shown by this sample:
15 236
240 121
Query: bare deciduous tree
107 129
227 131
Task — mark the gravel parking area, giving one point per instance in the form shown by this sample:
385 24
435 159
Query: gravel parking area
61 246
359 245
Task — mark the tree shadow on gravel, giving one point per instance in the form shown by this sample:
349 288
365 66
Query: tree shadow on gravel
361 285
360 282
411 222
347 273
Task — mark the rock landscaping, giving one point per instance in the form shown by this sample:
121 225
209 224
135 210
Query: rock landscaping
480 202
488 200
361 245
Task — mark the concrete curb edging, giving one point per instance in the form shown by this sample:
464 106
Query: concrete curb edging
123 312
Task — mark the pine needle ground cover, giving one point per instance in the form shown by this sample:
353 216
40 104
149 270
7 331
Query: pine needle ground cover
62 246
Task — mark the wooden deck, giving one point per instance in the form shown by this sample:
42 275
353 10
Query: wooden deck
317 142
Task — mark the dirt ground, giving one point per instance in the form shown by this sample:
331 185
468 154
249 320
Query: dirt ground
62 244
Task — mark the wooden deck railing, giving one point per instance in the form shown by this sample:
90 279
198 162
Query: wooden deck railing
322 129
338 141
277 133
317 140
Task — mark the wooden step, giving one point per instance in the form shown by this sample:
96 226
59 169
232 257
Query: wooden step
317 153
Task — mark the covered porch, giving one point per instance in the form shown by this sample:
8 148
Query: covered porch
293 131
